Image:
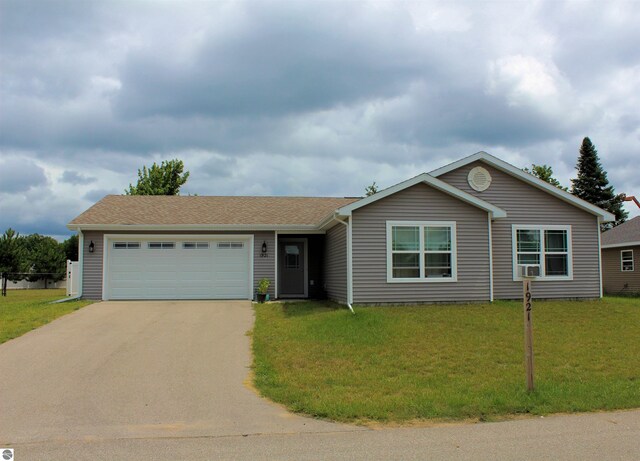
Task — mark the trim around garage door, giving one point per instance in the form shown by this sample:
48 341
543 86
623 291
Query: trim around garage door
109 238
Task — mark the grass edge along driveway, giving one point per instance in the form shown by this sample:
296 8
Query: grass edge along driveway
447 362
24 310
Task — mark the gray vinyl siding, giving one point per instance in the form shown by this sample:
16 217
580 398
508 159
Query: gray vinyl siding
526 204
264 267
335 263
93 262
419 203
614 280
92 265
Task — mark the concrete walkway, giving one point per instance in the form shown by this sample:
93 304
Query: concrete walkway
166 380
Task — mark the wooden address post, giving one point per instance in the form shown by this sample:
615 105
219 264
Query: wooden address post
528 331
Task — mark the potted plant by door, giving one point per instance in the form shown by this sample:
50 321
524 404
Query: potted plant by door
263 288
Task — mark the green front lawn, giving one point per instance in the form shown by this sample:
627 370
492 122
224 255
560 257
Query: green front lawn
401 364
24 310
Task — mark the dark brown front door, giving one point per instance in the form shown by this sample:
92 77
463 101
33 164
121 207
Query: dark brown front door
291 270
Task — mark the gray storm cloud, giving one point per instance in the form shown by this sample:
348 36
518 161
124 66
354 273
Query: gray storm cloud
296 97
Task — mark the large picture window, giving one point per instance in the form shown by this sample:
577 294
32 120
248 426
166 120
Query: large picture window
548 247
421 251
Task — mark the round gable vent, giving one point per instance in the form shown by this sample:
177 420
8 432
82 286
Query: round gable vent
479 179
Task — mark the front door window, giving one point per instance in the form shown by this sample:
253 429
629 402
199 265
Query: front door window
292 257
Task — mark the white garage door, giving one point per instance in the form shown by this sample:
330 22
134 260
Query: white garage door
178 269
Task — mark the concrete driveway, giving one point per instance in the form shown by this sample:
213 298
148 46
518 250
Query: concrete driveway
135 370
167 380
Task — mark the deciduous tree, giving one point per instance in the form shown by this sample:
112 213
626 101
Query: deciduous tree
10 254
372 189
163 179
545 172
70 247
44 258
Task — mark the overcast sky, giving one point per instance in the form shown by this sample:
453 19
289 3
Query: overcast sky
304 98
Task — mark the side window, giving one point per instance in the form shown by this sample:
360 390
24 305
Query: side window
548 247
626 261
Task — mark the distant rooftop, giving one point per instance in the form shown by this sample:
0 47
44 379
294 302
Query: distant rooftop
626 232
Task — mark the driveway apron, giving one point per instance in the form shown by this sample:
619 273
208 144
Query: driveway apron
138 370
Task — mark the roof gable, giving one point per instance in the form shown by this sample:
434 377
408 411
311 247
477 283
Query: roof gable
425 178
627 233
603 216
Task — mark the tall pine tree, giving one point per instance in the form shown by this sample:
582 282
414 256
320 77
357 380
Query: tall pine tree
593 186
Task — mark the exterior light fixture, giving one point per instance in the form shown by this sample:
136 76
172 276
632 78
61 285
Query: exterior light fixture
91 247
264 249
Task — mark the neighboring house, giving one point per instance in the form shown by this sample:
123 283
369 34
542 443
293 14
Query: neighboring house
621 258
458 233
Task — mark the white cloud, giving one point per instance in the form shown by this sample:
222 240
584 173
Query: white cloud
525 79
439 16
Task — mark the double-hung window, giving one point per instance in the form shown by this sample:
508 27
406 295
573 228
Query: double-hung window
626 261
548 247
421 251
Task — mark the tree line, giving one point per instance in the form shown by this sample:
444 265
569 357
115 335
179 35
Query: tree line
35 257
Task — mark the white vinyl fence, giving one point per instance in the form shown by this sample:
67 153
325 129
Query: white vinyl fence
73 278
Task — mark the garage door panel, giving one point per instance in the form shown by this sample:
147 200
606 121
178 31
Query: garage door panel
194 277
178 273
127 276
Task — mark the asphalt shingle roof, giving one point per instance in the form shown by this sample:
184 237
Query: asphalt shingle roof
209 210
626 232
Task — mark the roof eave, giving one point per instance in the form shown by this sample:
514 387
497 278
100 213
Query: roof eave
620 245
193 227
331 220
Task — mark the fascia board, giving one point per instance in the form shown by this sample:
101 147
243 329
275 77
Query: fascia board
192 227
536 182
620 245
329 221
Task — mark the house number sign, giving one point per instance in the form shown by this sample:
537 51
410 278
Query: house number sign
528 332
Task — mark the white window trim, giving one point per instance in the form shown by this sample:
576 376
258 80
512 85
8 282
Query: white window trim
542 228
422 278
633 265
